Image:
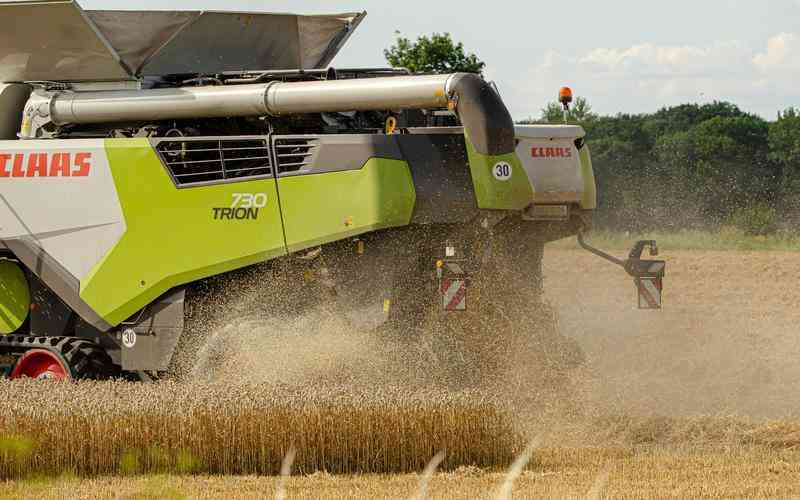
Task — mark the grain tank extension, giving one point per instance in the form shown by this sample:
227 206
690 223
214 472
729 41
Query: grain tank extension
156 166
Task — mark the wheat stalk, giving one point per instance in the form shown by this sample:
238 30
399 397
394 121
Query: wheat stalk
286 471
516 469
427 474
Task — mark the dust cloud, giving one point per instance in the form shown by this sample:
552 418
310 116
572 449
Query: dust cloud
312 348
725 344
259 327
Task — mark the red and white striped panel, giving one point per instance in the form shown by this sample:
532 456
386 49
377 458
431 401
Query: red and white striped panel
454 294
649 292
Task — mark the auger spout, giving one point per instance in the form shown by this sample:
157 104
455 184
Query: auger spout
485 117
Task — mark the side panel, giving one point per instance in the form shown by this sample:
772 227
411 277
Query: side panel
555 167
439 166
557 160
327 207
173 235
59 212
501 182
589 200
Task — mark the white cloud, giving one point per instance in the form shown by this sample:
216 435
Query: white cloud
645 77
659 61
782 54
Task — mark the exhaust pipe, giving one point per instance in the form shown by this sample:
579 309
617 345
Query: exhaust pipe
477 103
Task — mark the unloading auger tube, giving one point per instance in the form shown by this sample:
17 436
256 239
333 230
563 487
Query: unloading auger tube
486 119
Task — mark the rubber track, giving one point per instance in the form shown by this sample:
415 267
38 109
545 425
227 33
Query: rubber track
86 359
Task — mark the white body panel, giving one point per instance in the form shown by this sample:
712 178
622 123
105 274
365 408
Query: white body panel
552 162
73 212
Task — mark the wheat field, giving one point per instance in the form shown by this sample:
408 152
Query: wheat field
170 440
96 428
698 400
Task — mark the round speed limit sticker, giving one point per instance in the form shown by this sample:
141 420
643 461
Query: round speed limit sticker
502 171
129 338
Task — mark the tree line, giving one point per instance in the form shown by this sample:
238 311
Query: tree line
693 166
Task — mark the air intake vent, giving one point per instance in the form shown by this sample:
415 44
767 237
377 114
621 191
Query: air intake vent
294 154
203 160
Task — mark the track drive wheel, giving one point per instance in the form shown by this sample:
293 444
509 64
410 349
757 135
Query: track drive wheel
41 364
62 358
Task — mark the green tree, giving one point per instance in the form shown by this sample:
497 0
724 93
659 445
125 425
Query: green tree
693 165
784 140
435 54
682 118
728 168
579 112
784 151
619 166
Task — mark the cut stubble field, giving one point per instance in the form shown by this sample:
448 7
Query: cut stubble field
725 343
559 473
696 400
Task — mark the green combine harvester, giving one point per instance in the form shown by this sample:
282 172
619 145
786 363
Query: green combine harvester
149 160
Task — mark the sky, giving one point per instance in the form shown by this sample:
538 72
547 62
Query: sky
624 56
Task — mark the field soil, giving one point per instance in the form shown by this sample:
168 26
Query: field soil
695 400
559 473
725 343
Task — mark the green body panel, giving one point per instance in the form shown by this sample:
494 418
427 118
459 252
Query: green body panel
589 201
171 236
15 297
515 193
327 207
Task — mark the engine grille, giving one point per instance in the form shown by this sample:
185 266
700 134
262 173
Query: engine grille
202 160
294 154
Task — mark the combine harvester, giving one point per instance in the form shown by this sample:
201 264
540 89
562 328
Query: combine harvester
149 160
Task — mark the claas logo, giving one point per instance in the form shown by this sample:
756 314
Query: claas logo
45 164
551 152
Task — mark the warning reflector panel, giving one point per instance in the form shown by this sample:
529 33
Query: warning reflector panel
649 292
454 294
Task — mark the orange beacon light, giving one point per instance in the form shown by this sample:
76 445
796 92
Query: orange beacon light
565 96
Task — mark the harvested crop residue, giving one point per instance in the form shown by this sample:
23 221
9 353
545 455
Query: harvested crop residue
725 343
